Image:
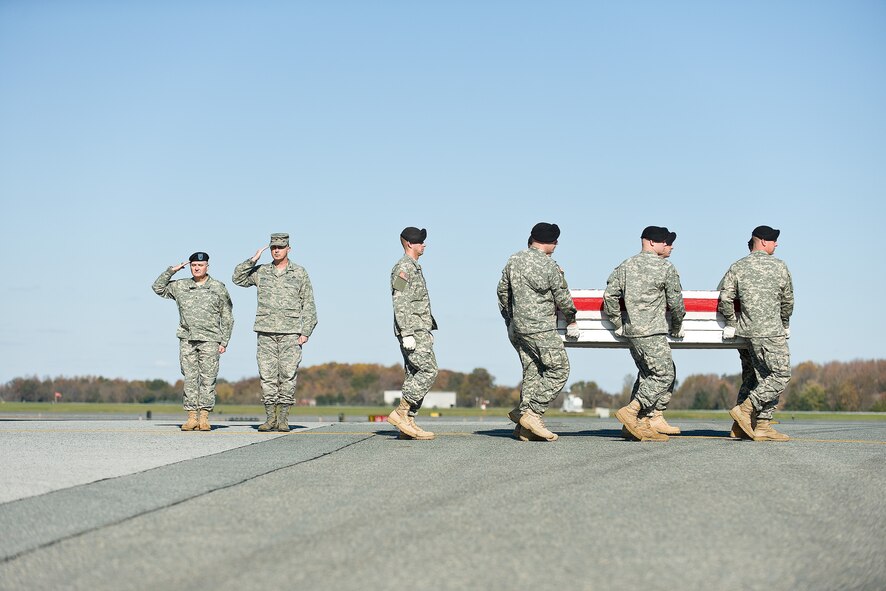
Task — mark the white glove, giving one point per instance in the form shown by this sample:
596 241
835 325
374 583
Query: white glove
572 331
787 332
409 343
728 332
679 334
620 331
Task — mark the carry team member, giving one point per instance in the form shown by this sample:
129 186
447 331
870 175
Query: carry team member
284 320
204 329
413 323
531 289
763 285
647 282
748 377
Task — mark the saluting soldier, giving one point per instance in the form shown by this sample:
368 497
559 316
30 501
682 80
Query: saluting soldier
204 329
531 290
413 323
763 285
284 320
648 283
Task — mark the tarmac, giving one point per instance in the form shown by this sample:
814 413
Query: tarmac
89 504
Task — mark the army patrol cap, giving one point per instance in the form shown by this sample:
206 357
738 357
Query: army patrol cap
766 233
280 239
545 233
199 256
414 235
658 234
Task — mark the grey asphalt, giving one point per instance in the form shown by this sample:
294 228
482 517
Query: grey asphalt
349 506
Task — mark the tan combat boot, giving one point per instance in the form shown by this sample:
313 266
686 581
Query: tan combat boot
627 415
658 423
736 432
745 415
534 423
648 433
191 423
765 432
203 422
283 417
419 432
627 434
271 423
399 417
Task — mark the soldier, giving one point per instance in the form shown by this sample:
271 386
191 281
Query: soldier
763 285
284 320
647 282
748 377
413 323
204 329
531 289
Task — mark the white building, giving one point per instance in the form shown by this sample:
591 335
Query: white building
432 399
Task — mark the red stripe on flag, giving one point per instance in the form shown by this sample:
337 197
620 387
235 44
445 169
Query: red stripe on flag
692 304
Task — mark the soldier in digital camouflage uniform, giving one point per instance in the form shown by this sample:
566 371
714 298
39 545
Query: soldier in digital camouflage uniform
284 320
204 329
647 282
413 323
748 377
531 289
763 286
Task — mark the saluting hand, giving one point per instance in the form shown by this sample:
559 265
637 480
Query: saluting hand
178 268
258 254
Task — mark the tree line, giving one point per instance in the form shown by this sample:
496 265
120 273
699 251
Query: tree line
835 386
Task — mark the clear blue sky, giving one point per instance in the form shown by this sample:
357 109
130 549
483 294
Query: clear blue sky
135 133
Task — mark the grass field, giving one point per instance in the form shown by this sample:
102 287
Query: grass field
256 410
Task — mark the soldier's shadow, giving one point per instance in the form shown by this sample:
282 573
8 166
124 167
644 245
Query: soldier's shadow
292 427
509 433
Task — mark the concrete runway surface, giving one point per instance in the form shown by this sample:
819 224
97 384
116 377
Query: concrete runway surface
142 505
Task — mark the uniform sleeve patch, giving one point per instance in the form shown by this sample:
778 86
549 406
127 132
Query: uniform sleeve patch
399 283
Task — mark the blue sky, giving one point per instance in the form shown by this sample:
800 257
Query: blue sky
135 133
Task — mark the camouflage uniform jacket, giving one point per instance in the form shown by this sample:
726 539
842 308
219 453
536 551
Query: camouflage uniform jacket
531 289
647 283
285 301
412 304
763 286
205 311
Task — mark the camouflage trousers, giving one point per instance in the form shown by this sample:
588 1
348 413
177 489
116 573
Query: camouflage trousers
656 372
199 363
279 356
420 368
770 359
545 368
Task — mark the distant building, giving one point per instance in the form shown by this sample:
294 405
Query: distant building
432 399
572 403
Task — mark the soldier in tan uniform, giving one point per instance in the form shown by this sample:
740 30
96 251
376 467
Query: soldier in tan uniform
204 329
284 320
413 323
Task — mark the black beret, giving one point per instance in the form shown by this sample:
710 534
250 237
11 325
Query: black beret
545 233
766 233
199 256
414 235
658 234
